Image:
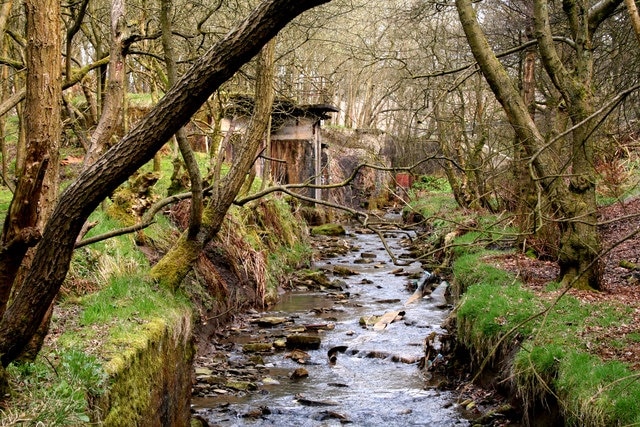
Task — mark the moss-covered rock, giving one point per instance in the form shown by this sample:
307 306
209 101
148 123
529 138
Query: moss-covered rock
328 230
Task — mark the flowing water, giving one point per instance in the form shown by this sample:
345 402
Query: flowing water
374 379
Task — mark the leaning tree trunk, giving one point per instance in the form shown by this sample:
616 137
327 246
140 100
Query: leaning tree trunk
53 255
175 265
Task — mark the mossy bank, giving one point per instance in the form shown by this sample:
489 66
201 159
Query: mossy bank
120 347
531 339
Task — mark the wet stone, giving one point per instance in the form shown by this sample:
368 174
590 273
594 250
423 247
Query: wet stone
203 371
257 347
211 379
270 381
299 356
328 230
337 284
339 270
303 342
269 321
299 373
241 385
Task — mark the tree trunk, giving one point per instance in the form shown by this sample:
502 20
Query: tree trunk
525 193
37 186
177 263
634 16
114 95
191 164
574 204
51 261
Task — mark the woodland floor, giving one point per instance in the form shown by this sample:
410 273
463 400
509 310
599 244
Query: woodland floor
620 234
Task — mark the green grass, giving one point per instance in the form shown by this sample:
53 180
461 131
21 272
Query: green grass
432 184
126 297
53 390
554 347
5 201
597 393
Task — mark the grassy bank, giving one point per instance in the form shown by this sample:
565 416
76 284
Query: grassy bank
540 343
111 322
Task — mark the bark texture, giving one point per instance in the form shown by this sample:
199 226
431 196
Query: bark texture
37 186
114 96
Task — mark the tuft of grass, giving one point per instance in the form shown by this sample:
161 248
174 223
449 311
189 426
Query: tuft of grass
597 393
469 269
487 311
126 297
53 390
555 336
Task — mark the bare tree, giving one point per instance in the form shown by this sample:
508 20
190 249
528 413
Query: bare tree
569 186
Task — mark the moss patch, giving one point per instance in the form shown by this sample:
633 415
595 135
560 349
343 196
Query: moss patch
328 230
151 379
539 342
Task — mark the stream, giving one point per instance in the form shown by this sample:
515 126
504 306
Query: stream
357 369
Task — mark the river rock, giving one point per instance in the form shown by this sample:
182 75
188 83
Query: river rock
299 373
337 284
241 385
303 342
340 270
319 327
269 321
203 371
210 379
368 320
326 415
312 278
299 356
309 402
328 230
257 347
270 381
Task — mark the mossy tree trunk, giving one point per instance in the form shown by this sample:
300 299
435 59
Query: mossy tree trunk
175 265
574 204
53 254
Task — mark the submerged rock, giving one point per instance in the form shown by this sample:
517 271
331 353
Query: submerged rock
309 402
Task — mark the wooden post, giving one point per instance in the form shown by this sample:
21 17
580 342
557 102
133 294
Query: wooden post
317 152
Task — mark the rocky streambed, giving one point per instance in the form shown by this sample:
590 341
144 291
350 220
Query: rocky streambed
351 342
